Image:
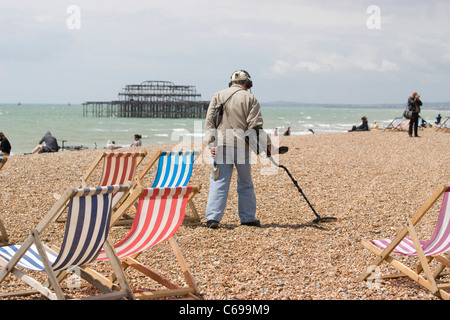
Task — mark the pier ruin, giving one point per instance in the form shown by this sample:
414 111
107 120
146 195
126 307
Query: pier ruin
151 99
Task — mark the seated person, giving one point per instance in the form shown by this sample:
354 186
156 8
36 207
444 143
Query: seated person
364 126
51 144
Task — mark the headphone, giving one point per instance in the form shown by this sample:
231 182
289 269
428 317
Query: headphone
248 82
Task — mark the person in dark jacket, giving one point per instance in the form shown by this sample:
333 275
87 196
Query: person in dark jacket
414 104
364 126
5 146
51 144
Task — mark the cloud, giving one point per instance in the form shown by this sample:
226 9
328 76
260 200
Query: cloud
200 42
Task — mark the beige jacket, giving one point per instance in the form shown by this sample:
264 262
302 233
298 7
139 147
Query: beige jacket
241 113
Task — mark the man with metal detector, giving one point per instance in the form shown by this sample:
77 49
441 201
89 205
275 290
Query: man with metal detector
231 114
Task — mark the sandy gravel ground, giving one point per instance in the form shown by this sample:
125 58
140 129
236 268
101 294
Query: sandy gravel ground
369 181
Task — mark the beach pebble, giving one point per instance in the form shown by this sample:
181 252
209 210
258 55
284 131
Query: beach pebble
369 181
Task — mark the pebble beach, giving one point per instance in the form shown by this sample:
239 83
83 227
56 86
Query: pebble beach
369 181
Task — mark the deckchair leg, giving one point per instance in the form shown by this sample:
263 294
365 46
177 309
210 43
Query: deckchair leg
117 268
182 262
48 268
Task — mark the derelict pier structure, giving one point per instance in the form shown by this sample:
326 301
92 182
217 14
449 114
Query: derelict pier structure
151 99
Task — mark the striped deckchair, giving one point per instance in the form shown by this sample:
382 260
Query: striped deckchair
174 170
442 126
117 168
3 233
159 214
86 233
424 251
395 125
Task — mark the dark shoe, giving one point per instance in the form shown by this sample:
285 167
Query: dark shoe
417 136
283 150
212 224
255 223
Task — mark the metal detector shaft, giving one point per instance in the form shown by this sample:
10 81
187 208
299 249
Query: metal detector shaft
257 140
318 218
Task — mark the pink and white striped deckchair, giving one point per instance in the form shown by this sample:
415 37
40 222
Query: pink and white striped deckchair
87 229
425 250
159 214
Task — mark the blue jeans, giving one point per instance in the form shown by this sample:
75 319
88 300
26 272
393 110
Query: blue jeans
227 159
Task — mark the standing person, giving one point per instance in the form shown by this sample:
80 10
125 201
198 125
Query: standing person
287 132
241 113
5 146
51 144
137 141
414 104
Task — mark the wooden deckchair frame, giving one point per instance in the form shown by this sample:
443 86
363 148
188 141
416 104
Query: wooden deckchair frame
3 233
3 160
442 126
52 288
102 156
190 292
391 127
195 218
428 278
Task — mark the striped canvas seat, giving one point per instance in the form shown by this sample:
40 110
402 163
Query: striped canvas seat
424 250
118 167
159 214
87 227
439 241
174 170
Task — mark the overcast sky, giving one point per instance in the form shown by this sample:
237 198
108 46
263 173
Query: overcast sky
305 51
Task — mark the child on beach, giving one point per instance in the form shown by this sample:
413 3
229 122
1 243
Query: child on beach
137 141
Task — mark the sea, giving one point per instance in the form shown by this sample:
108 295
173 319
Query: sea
25 124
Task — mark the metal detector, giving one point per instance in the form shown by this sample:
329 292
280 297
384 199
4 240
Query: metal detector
257 140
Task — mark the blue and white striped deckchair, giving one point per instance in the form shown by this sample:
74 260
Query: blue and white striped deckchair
3 233
87 227
174 170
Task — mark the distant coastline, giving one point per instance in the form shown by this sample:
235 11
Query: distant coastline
434 105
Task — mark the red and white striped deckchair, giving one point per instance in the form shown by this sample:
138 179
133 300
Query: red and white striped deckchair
424 250
3 233
159 214
86 232
118 167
